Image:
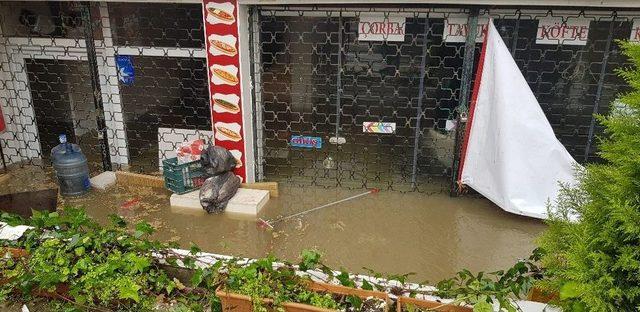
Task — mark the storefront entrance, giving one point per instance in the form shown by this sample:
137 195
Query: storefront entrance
317 79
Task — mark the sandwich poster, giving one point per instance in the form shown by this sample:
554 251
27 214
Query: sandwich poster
226 103
222 45
223 63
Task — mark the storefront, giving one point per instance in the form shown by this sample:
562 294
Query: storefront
336 95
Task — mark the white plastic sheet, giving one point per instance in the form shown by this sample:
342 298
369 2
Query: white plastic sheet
8 232
512 155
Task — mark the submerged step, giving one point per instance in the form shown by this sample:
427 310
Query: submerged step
103 180
246 201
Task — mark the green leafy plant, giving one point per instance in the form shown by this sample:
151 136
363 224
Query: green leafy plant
593 262
89 267
480 290
483 289
280 282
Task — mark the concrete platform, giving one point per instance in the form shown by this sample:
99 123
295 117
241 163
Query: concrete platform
246 201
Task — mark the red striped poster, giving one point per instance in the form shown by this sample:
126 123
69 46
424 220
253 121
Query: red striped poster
223 64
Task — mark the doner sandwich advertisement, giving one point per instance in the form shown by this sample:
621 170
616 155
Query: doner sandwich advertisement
223 63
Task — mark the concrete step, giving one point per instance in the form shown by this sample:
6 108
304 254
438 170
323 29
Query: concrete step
246 201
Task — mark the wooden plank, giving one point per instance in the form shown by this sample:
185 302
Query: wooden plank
272 187
130 178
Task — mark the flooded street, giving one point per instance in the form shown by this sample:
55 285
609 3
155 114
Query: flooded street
432 235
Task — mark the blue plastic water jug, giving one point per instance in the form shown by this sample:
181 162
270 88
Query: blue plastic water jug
71 168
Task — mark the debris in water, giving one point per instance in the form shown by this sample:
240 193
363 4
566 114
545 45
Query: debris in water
338 225
301 227
269 223
261 223
130 203
224 244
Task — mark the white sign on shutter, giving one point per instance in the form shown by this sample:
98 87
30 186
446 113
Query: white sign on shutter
635 31
552 30
456 28
378 27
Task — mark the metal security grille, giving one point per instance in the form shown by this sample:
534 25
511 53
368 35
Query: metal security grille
571 82
63 103
46 81
169 101
313 77
56 56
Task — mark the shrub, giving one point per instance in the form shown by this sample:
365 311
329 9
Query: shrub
594 263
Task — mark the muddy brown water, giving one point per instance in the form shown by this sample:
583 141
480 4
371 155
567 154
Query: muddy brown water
432 235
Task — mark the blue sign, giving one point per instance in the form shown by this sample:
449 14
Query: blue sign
126 74
306 141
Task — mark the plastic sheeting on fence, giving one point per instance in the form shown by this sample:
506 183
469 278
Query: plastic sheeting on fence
511 154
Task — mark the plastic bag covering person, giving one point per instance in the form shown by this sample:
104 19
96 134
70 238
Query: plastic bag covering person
216 191
217 160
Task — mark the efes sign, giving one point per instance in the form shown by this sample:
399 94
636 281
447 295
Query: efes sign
306 141
381 27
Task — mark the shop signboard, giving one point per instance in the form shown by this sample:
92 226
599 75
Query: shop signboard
381 27
456 28
555 30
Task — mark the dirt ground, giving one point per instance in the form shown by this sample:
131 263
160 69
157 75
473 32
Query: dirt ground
432 235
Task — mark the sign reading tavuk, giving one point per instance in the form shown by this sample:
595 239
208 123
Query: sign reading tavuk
551 30
223 62
456 28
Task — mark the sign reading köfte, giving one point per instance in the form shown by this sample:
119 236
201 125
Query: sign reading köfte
381 27
456 28
379 127
635 31
553 30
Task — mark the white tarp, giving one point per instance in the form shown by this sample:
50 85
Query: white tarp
8 232
512 155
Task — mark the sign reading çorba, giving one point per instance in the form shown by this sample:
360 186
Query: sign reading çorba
381 27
